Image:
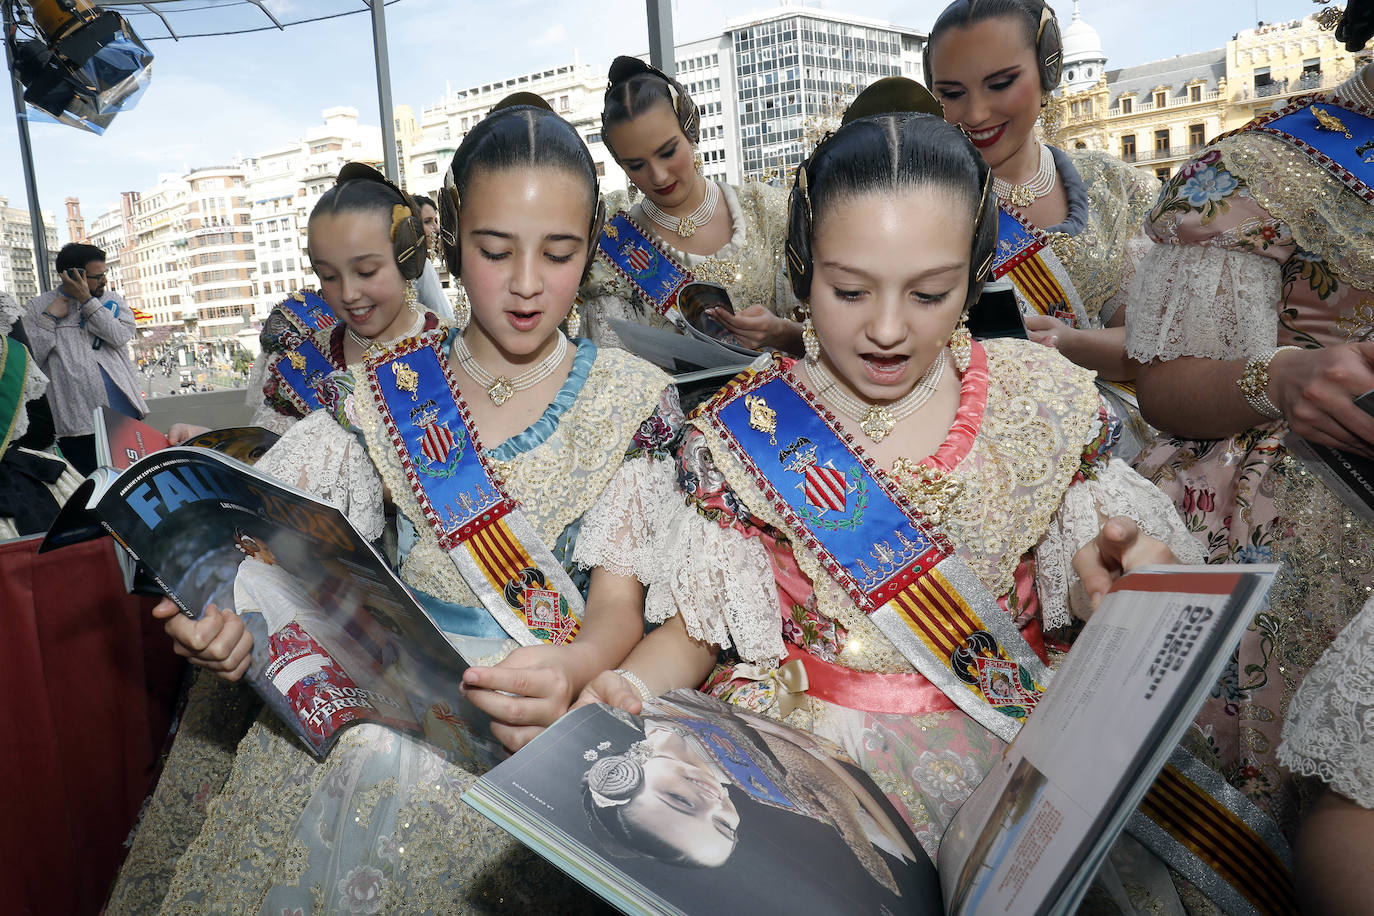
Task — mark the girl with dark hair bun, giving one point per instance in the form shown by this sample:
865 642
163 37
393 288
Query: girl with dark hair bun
708 230
1070 221
518 475
1257 296
813 483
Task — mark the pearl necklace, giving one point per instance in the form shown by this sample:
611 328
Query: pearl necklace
877 420
366 344
500 388
1022 196
1355 90
686 226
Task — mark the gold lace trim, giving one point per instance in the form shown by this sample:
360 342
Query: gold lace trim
1042 412
1119 198
1325 217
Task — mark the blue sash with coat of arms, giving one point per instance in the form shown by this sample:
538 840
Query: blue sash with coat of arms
1336 134
640 259
302 365
490 541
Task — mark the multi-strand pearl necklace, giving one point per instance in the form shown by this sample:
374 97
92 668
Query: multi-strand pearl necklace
686 226
415 328
1355 90
500 388
877 420
1022 196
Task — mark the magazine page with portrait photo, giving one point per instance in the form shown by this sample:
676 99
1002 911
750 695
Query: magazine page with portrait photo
696 806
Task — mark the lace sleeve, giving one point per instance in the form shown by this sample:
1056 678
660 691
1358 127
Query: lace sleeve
1115 490
1133 252
721 582
1329 729
323 459
1203 301
622 532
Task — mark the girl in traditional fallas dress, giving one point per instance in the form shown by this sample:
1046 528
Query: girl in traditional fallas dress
575 434
901 478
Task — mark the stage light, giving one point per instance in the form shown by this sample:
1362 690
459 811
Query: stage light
78 63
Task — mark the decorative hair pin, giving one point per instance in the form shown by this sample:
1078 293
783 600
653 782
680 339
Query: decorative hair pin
614 780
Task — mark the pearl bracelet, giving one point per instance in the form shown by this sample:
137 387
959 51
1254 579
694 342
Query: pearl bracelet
640 687
1254 384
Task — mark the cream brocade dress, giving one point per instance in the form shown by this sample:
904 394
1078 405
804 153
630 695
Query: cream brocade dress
1029 444
377 826
1259 246
749 266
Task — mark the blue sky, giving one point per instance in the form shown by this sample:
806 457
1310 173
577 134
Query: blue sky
212 99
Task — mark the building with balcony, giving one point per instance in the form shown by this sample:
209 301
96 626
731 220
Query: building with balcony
1159 114
150 270
283 185
18 273
218 256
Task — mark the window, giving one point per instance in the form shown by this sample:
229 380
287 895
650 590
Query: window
1197 136
1162 140
1128 147
601 170
1127 104
1195 93
1162 173
1161 98
430 168
563 103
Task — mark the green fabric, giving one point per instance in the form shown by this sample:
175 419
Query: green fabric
14 369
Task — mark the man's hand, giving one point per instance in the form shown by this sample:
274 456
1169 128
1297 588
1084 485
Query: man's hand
613 690
218 641
180 432
75 287
1118 548
524 694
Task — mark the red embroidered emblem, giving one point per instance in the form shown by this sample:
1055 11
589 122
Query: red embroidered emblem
640 259
825 488
541 607
437 443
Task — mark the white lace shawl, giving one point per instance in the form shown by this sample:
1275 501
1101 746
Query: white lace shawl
722 583
262 413
322 458
1329 729
1204 301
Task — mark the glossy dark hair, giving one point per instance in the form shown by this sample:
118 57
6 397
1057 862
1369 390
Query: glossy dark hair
633 87
77 254
516 137
365 195
1039 25
424 200
1357 25
886 153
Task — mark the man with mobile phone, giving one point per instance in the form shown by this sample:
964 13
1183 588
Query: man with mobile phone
79 335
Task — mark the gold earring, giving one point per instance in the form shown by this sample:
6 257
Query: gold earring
698 163
810 342
462 306
412 299
574 320
961 345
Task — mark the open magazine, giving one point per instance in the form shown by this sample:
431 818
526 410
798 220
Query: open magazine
698 346
120 440
698 807
337 638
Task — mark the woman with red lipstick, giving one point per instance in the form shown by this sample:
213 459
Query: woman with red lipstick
708 231
812 483
1075 218
568 442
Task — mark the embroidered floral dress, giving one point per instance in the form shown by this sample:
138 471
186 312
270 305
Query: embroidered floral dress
1245 262
1028 451
749 266
377 826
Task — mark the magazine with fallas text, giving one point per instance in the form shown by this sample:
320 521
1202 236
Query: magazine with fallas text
337 638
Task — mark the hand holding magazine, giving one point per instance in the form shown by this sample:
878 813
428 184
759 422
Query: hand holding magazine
337 638
695 806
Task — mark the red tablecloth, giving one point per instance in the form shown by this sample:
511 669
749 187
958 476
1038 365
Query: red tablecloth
87 684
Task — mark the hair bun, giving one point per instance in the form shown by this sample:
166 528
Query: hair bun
890 94
407 232
615 779
517 99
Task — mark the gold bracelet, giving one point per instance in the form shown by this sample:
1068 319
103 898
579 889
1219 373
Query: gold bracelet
1254 384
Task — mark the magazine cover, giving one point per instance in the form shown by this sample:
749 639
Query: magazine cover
696 806
337 638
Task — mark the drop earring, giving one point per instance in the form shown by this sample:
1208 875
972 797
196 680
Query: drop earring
462 307
698 163
412 297
810 342
961 345
574 320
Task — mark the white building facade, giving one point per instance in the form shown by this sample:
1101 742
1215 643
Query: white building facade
18 275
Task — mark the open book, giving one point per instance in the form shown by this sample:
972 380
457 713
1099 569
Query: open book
697 807
337 638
